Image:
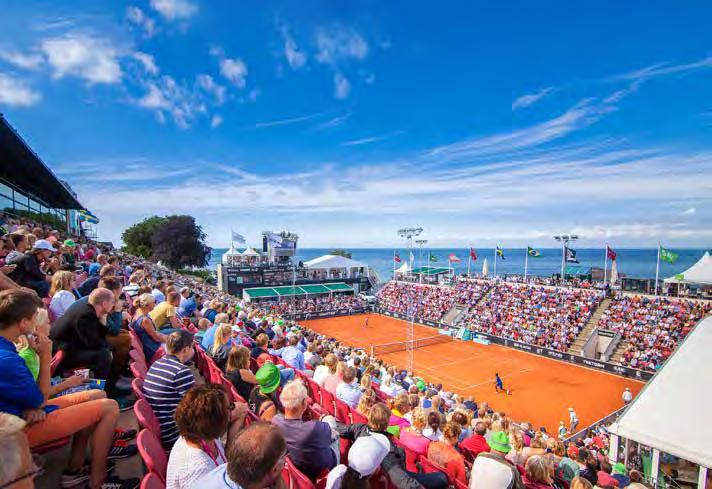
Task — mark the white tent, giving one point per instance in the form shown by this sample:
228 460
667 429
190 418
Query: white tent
404 268
250 252
230 255
672 412
699 273
326 262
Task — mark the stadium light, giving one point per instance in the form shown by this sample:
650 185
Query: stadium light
564 239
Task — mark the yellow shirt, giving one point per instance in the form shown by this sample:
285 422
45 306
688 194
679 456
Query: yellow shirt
162 313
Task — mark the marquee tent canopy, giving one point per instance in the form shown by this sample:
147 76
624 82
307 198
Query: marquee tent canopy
671 413
328 262
289 291
699 273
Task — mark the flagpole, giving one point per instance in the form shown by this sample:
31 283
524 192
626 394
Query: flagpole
495 262
563 260
657 271
526 263
605 264
469 260
394 264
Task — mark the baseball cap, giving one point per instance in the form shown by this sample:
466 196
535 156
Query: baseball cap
619 468
69 242
268 378
43 244
367 453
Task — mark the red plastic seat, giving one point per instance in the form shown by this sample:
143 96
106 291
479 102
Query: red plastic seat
137 370
358 417
314 390
137 388
152 454
56 361
430 466
157 356
138 357
135 341
146 418
328 402
295 479
342 411
152 481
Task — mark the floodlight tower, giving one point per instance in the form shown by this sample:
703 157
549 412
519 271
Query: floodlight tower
564 239
408 234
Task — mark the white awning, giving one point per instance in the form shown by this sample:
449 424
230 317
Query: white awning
699 273
326 262
250 252
672 412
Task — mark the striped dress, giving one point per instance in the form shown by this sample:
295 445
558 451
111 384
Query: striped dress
165 384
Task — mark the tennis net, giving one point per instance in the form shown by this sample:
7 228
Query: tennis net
407 345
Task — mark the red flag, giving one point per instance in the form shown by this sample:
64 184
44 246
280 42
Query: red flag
397 258
453 258
611 254
473 255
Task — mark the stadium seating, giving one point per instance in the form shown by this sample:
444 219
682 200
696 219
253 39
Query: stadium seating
152 454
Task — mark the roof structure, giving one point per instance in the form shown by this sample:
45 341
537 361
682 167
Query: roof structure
326 262
26 171
430 270
671 413
577 270
289 291
699 273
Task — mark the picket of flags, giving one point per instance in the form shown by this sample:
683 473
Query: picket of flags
666 255
571 255
238 238
453 258
610 253
500 252
412 259
473 255
533 253
433 257
396 258
85 215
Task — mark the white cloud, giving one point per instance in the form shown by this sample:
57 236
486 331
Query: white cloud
530 99
216 120
26 61
15 92
342 86
147 61
90 58
284 122
339 44
371 139
167 98
662 69
689 212
254 93
234 70
296 57
334 122
174 9
137 17
208 84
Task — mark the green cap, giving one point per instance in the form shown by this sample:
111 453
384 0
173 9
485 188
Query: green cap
619 468
69 242
280 322
500 441
268 378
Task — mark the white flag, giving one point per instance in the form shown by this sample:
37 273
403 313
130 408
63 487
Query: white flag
412 257
238 238
274 239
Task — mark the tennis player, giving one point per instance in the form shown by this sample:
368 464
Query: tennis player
498 384
365 323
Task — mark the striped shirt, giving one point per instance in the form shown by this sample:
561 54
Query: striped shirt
165 384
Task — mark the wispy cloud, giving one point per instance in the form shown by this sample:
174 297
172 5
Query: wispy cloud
91 58
26 61
139 18
16 93
530 99
334 122
371 139
689 212
295 56
285 122
663 69
174 9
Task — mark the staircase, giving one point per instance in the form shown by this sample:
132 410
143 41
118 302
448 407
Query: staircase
454 314
617 356
576 347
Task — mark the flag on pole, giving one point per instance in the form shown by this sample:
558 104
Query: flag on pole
668 256
485 268
571 256
473 255
453 258
614 272
610 253
500 252
433 257
533 253
238 238
397 258
412 257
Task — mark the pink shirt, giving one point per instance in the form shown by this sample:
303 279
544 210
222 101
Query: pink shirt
332 382
415 442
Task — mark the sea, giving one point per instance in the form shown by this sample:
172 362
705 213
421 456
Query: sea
638 263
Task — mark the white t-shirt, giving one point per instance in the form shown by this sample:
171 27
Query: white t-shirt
60 302
187 464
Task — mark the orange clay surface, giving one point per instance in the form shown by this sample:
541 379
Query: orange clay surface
541 389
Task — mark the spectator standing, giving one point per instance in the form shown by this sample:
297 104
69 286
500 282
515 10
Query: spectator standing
573 421
167 381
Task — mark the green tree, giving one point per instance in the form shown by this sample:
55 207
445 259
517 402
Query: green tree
340 252
137 238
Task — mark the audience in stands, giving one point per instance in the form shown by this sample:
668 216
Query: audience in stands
347 390
167 381
61 293
444 453
142 324
365 458
492 469
263 400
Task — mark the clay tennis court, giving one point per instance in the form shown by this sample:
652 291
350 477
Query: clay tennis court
541 389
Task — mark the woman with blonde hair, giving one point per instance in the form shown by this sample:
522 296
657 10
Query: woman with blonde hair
368 399
580 483
539 473
334 379
145 328
60 291
221 345
445 455
516 454
326 369
412 436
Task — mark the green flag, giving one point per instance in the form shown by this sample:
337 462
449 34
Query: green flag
433 257
668 256
532 252
680 277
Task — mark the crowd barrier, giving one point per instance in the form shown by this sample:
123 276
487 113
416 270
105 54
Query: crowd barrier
328 314
485 338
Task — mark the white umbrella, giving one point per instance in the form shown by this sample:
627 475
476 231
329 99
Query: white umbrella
614 272
485 268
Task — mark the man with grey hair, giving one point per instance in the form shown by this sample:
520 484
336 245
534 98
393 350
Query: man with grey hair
311 445
17 469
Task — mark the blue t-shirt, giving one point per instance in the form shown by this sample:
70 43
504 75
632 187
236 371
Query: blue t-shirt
150 346
216 479
94 269
187 307
18 389
209 337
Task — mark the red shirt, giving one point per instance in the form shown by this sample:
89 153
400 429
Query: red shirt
475 444
605 479
450 459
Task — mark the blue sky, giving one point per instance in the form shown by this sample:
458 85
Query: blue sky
482 122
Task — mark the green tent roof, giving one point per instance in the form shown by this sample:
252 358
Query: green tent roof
577 270
289 291
430 270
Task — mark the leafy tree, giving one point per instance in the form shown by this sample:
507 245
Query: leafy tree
137 238
179 242
340 252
